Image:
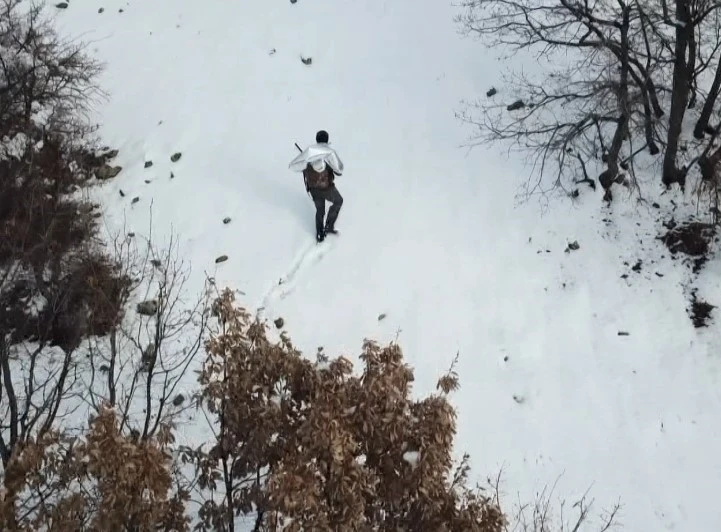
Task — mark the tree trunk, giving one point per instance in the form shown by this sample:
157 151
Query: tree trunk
703 120
8 390
653 148
691 69
609 176
708 163
679 97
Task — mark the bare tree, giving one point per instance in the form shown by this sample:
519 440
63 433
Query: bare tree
579 112
544 514
702 126
687 18
48 83
56 284
142 364
611 100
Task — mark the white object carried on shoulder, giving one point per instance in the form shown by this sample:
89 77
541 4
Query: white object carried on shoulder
318 155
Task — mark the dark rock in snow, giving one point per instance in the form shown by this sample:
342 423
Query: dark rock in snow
122 194
279 322
381 316
491 92
102 9
172 175
107 172
62 5
226 220
148 164
220 259
623 333
515 106
573 246
147 181
178 399
176 157
306 60
135 200
148 308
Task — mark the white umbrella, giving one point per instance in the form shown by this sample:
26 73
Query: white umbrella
318 155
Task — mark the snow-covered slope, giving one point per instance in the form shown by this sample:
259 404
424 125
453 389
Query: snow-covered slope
429 237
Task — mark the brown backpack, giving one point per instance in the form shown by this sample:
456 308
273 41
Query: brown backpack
315 179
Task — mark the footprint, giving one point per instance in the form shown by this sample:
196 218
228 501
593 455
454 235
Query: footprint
310 255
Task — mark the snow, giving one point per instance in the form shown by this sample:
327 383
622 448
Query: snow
12 147
430 237
36 304
412 457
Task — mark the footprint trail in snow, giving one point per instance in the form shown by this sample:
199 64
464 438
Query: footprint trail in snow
310 255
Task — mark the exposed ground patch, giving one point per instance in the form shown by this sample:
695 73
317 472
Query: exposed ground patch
700 311
693 241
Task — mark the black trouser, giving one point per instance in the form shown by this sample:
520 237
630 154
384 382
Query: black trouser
320 196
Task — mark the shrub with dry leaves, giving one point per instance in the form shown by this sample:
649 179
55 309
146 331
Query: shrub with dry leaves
103 481
309 445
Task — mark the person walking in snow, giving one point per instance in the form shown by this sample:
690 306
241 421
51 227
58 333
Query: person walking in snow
320 165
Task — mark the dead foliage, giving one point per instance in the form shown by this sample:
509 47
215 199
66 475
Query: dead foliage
49 253
104 481
57 285
691 238
309 445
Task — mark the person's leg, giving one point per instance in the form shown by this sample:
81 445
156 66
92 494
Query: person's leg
337 202
319 201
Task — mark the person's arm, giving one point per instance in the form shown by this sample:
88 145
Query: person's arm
335 163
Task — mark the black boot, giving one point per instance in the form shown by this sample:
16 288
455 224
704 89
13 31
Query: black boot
320 236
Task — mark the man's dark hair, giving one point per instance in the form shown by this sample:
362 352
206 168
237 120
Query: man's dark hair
321 136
